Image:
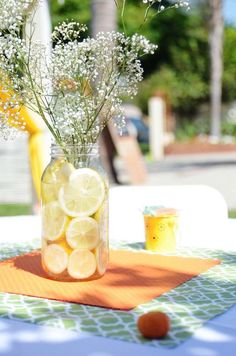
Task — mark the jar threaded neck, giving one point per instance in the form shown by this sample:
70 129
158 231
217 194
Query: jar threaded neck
74 150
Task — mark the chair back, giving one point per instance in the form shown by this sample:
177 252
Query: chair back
202 212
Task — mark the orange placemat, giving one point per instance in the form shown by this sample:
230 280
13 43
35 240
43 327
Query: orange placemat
133 278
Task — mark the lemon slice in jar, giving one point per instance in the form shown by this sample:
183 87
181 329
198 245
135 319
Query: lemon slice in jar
54 221
59 171
55 258
82 264
82 233
101 254
54 178
83 194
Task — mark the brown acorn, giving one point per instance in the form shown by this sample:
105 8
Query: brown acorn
154 325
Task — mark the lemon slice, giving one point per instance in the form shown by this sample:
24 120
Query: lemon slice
59 171
83 194
102 257
54 178
64 172
82 264
49 192
82 233
54 221
55 258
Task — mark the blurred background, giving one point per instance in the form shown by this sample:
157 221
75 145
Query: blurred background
181 125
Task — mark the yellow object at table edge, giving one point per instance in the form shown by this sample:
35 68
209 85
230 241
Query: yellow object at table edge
36 144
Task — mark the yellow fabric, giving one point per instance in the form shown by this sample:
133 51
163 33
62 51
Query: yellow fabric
35 144
36 149
31 126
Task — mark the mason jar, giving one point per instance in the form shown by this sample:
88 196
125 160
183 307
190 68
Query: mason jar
75 214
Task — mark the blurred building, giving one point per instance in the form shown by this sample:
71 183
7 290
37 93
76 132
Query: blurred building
15 180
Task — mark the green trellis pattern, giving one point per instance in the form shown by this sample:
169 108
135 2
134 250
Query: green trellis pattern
189 305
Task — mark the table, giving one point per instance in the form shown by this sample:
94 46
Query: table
216 337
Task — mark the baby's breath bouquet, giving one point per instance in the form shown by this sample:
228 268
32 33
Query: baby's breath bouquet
79 87
76 89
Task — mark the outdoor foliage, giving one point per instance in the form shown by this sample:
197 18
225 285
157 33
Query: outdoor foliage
71 9
15 209
229 76
180 66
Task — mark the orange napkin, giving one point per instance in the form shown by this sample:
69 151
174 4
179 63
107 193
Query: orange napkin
133 278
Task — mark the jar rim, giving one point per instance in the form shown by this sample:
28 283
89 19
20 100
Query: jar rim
74 149
95 144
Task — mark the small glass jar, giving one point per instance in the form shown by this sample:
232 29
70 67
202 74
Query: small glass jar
75 214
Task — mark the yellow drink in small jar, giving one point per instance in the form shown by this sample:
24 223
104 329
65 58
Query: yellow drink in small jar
161 230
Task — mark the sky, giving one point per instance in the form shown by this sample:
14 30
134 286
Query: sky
230 11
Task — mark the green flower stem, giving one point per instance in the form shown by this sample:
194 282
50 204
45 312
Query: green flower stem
41 112
123 15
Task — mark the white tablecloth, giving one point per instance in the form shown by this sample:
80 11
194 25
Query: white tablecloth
216 337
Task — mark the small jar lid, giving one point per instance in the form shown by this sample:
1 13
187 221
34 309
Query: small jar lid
160 211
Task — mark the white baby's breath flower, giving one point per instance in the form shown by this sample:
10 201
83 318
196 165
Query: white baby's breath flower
12 12
162 6
80 87
68 31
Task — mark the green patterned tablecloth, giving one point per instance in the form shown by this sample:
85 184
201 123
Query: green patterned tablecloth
189 305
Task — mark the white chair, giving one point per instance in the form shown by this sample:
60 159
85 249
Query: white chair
202 209
17 229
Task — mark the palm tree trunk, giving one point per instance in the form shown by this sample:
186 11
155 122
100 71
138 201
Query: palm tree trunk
216 59
103 16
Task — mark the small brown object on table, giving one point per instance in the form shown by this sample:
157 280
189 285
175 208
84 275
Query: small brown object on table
154 325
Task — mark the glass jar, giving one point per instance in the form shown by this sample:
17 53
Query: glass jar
75 214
